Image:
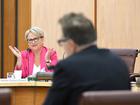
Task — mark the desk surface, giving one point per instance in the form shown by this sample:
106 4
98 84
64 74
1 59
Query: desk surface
34 92
24 83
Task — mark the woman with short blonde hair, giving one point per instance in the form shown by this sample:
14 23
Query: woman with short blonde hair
37 57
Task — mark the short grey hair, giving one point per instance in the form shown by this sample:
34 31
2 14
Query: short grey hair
34 30
79 28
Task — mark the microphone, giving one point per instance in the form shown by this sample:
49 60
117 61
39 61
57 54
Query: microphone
28 50
51 67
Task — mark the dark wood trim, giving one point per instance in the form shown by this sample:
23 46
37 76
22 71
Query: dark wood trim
2 33
95 14
16 23
16 27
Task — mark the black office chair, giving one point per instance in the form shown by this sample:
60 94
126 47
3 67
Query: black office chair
129 57
5 96
110 98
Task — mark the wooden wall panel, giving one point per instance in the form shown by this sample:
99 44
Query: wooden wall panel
45 14
16 19
24 21
8 35
118 23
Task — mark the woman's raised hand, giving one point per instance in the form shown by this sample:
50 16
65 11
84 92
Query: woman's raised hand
17 53
48 54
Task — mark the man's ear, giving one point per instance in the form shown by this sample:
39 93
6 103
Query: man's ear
73 45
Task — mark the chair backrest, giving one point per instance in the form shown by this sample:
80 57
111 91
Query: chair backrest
129 57
110 98
5 96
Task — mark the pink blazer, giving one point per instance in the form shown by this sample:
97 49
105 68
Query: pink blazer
28 61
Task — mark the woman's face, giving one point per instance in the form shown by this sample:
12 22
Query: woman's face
34 42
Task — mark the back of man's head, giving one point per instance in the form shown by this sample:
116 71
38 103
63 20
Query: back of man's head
78 28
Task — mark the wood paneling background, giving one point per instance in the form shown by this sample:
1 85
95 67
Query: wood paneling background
9 26
118 24
16 19
24 22
45 14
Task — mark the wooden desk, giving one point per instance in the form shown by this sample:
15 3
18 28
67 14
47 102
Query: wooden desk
34 93
27 93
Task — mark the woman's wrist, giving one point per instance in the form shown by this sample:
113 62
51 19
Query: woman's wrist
18 67
19 62
48 61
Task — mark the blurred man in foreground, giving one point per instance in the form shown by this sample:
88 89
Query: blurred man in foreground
87 68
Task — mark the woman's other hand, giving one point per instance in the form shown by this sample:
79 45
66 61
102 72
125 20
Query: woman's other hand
17 53
48 55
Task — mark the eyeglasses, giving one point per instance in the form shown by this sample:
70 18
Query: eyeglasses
60 41
35 40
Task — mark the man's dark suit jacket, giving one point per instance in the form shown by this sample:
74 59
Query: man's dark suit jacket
91 69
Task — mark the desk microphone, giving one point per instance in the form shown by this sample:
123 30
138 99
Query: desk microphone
28 50
51 67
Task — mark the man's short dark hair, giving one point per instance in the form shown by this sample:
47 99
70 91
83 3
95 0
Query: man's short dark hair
78 28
